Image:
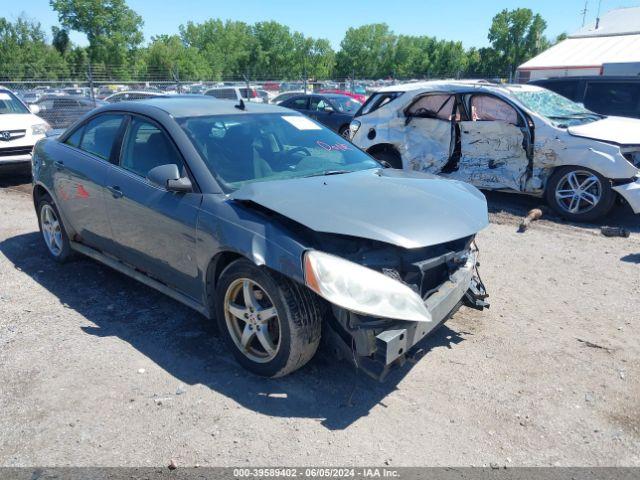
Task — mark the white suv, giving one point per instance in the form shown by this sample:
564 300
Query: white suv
20 129
506 137
249 94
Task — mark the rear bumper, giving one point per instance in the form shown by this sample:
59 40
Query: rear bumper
631 193
395 342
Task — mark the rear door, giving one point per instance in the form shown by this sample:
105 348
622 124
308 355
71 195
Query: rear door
154 230
429 132
297 103
493 144
79 176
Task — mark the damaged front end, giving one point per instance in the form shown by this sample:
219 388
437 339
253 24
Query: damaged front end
443 277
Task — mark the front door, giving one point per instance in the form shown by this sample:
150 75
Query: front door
493 145
154 230
429 132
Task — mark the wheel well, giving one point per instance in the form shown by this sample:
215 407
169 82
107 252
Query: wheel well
383 147
217 265
38 192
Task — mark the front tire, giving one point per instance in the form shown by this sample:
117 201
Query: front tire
270 324
53 232
580 194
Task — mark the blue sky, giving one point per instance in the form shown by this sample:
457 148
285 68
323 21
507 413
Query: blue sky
465 20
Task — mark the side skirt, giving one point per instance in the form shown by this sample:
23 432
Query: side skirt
139 276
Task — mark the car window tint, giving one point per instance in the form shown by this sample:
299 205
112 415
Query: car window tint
74 138
613 97
100 134
145 147
433 106
566 89
299 103
486 108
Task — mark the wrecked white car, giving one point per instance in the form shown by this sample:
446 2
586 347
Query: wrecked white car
506 137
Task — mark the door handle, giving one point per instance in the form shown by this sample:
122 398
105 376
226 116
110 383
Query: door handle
115 191
59 164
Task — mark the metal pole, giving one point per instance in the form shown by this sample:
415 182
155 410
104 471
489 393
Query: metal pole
90 78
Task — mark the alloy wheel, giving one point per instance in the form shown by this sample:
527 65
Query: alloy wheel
252 320
578 191
51 229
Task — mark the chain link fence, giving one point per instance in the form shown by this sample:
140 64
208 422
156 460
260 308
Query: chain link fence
62 101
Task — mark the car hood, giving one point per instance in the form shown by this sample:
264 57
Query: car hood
407 209
17 121
620 130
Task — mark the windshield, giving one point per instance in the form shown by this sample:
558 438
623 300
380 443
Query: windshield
345 104
240 149
10 104
561 111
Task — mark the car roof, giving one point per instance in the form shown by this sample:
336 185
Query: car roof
458 86
180 106
602 78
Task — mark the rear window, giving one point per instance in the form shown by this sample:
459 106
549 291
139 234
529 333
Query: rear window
377 100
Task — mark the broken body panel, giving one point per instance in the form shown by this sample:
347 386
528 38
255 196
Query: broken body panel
499 144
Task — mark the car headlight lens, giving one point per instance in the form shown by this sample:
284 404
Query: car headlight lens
40 129
353 128
361 289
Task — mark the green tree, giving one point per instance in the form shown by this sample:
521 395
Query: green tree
168 58
25 54
517 35
112 29
367 52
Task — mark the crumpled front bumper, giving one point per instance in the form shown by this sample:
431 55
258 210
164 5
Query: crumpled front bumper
631 193
463 284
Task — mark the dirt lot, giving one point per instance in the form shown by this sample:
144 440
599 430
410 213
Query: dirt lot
96 369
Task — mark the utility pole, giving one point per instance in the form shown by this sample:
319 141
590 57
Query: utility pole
584 12
598 15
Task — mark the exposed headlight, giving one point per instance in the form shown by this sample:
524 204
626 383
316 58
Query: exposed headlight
353 128
360 289
40 129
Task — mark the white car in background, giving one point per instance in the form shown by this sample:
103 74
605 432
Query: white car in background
20 129
518 138
249 94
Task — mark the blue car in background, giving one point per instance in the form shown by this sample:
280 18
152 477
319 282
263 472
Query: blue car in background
264 220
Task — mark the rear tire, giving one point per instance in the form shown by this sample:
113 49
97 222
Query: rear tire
388 157
53 232
275 325
579 194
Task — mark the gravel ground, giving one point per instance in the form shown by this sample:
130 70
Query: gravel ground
97 369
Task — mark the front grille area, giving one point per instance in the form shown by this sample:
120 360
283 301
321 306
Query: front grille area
8 135
13 151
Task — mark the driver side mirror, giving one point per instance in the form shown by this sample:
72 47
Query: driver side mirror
168 177
329 109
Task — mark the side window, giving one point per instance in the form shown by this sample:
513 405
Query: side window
613 97
299 103
223 94
486 108
100 134
433 106
145 147
75 137
318 104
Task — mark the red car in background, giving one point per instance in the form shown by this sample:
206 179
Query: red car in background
358 96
